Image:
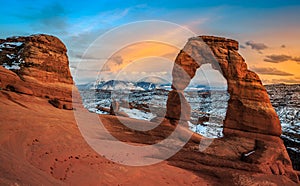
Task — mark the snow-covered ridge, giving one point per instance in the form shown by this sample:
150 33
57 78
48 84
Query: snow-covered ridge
119 85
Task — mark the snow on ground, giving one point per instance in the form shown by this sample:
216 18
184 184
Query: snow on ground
207 129
211 104
137 114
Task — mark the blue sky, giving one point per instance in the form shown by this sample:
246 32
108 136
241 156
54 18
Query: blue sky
222 17
78 23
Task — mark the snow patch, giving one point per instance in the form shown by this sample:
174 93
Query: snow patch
10 56
137 114
14 65
10 44
295 149
208 130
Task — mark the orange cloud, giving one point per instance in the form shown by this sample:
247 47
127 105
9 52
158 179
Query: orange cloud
137 51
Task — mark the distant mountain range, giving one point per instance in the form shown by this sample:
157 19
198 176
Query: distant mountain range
140 85
119 85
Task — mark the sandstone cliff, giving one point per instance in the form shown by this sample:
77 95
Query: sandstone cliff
37 65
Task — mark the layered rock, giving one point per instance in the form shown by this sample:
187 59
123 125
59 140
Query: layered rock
37 65
251 127
249 107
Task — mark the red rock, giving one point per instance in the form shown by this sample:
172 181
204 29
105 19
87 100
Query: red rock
177 106
249 107
44 70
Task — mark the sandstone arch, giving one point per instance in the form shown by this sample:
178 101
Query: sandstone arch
249 108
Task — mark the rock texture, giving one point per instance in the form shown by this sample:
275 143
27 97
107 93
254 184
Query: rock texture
251 127
249 107
37 65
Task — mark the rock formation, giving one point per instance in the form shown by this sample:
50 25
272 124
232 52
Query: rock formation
249 107
250 115
37 65
42 145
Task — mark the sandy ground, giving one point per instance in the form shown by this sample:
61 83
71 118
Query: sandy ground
42 145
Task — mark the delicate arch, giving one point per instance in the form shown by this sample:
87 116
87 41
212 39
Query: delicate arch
249 107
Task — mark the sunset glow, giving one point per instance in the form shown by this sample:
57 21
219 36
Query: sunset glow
267 31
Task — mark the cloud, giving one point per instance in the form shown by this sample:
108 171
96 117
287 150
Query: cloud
195 23
297 59
291 80
50 18
281 58
256 46
101 21
242 46
86 56
117 59
277 81
170 55
270 71
55 16
46 12
277 58
113 64
83 31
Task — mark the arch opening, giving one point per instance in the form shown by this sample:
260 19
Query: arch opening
208 97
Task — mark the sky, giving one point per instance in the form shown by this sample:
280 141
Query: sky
268 31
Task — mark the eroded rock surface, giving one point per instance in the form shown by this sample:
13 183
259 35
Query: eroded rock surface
251 126
37 65
249 107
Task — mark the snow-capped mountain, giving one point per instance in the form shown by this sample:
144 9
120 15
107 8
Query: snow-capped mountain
115 85
145 85
86 86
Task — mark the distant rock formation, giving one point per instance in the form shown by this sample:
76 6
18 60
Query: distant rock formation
37 65
249 107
